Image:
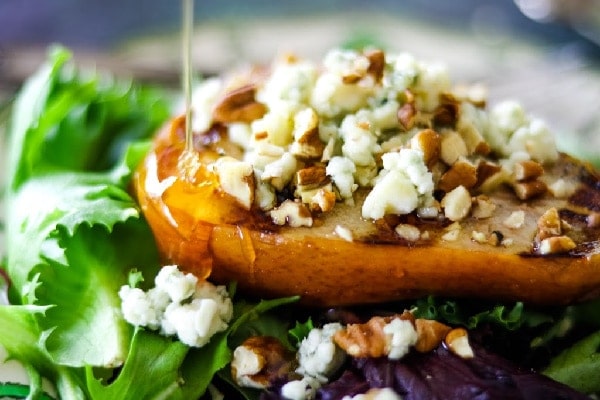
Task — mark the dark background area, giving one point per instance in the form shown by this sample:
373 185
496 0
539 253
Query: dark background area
104 24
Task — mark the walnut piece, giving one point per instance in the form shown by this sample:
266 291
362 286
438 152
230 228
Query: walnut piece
260 360
239 105
368 339
430 334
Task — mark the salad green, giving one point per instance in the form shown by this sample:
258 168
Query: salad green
75 235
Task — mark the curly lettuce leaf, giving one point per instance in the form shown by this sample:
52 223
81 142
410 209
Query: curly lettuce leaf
21 337
65 119
73 231
471 315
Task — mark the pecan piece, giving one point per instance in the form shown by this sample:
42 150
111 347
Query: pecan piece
239 105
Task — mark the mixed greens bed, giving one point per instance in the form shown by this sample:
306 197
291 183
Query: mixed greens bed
74 236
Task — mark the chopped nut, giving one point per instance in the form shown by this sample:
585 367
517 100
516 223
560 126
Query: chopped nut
515 220
324 200
529 190
307 144
461 173
430 334
452 232
556 245
311 177
406 115
483 207
562 189
549 224
293 213
429 142
408 232
474 140
479 237
452 147
475 94
446 113
239 105
457 204
457 341
527 170
236 179
260 360
486 170
280 172
376 64
261 135
368 339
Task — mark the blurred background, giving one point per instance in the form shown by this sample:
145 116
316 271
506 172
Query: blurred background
546 53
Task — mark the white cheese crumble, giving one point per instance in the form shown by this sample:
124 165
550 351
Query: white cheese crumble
178 305
318 355
402 186
376 394
341 170
358 115
511 130
400 335
300 389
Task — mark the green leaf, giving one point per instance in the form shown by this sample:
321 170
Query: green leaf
46 205
300 331
151 370
19 391
472 315
202 364
255 319
21 337
85 322
70 120
578 366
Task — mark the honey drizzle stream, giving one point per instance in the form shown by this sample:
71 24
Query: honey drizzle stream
188 163
188 23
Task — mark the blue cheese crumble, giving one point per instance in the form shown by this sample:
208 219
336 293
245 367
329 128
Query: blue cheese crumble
360 116
178 305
